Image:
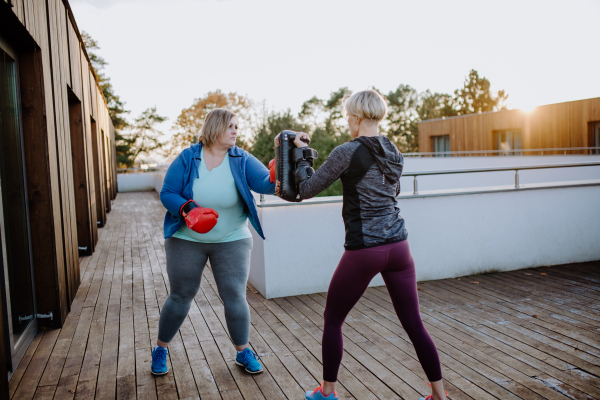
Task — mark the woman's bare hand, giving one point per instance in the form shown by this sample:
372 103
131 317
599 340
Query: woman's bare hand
298 140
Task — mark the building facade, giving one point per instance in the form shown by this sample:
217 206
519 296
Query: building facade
563 125
57 169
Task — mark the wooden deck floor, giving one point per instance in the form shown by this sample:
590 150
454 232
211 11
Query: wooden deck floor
527 334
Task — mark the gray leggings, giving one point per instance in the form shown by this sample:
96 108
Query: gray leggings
230 264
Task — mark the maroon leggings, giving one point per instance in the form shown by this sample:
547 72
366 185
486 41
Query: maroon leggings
349 282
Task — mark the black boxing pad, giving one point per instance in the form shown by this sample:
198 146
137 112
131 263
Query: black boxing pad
285 166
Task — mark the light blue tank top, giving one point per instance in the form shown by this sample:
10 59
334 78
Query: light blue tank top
216 189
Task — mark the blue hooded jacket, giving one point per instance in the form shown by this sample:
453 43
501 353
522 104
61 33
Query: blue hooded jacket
248 173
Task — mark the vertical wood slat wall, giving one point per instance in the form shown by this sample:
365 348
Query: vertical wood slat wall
66 80
559 125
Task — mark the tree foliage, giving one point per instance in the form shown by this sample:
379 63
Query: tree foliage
116 107
475 96
191 119
144 135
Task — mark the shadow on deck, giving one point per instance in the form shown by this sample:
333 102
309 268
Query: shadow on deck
526 334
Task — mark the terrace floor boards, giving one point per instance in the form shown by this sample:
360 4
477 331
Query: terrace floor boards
527 334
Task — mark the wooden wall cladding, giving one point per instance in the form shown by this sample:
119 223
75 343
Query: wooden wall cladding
62 96
561 125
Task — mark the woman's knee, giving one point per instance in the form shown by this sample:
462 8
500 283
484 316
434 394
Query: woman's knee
182 297
236 305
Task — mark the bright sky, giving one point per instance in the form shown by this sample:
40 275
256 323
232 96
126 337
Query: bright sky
167 53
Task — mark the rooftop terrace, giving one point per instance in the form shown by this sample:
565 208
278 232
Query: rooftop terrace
527 334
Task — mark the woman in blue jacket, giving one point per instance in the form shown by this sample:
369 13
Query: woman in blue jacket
218 175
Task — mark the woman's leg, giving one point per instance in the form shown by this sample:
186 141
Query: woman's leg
400 279
350 280
230 263
185 264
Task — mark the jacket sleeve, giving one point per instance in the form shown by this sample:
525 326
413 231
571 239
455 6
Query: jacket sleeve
257 176
336 164
173 185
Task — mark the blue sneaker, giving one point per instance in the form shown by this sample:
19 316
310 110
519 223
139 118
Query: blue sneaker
249 360
159 360
317 394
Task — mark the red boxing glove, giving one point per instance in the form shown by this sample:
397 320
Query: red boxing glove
201 220
272 170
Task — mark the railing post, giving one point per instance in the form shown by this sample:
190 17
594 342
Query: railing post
415 185
262 197
517 178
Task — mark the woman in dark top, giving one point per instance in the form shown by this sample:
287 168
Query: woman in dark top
370 168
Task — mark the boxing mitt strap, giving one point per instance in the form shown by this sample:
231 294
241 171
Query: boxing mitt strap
187 207
303 173
305 154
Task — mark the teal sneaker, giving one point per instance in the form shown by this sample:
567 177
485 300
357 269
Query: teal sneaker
159 360
317 394
249 360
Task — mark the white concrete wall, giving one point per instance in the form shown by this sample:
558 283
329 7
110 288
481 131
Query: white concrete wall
140 181
450 236
135 182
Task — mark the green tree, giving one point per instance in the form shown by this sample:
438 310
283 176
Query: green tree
475 96
264 139
116 108
403 117
144 134
436 105
191 119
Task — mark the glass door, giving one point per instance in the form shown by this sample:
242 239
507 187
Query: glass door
17 288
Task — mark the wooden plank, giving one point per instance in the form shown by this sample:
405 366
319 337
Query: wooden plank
43 179
18 10
61 131
80 177
74 61
98 174
86 102
547 366
23 364
107 375
29 381
68 182
490 345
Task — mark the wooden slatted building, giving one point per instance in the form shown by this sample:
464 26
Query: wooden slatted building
563 125
57 168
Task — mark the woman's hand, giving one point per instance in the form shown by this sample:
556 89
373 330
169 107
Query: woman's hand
298 140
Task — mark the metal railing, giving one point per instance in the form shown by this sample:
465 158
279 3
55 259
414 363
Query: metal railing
498 169
513 152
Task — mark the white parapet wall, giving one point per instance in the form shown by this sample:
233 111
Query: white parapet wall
450 235
458 224
140 181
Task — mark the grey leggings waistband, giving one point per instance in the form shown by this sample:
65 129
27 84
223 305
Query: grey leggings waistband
230 264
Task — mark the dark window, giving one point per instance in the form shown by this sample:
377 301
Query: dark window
18 288
441 144
508 141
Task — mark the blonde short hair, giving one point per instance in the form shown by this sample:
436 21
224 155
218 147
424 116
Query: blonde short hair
215 125
367 104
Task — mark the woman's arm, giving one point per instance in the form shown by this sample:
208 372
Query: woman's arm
258 177
335 165
173 185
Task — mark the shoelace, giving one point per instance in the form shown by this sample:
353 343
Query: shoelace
430 397
159 356
321 389
247 355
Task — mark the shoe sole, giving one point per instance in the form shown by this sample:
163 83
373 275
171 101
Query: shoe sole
247 370
159 373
